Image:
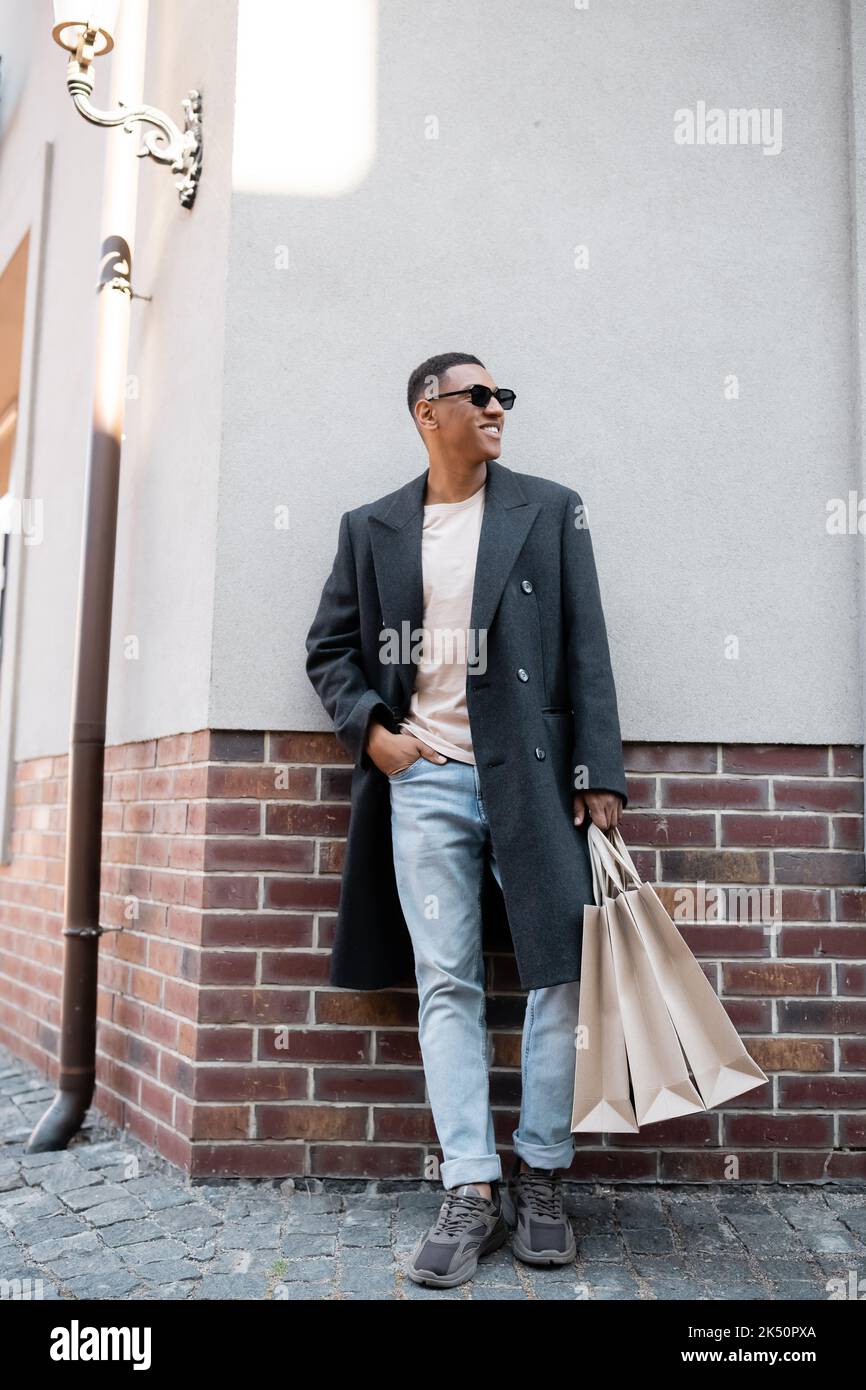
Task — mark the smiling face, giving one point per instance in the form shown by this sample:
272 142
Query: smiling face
456 429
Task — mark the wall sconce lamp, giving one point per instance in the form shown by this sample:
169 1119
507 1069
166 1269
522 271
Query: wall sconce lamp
90 38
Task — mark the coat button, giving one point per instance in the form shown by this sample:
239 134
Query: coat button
522 675
540 754
526 586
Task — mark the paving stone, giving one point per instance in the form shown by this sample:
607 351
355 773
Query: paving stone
95 1195
249 1235
298 1291
52 1249
66 1177
109 1213
232 1286
168 1271
193 1216
367 1281
131 1233
829 1242
600 1248
102 1284
297 1245
151 1252
36 1207
157 1194
310 1223
646 1241
57 1226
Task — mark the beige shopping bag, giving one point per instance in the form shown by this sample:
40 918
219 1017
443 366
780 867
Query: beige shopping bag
601 1087
625 1033
721 1066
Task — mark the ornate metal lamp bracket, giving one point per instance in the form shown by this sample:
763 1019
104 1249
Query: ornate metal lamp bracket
182 149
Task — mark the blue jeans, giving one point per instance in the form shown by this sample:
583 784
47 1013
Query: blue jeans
440 836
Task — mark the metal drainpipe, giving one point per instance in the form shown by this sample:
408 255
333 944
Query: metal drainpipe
81 930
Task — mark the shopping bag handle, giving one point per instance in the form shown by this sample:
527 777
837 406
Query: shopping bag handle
610 860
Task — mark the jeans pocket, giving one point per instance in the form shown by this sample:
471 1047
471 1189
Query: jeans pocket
401 771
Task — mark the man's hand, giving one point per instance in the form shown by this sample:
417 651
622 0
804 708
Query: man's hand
392 752
605 808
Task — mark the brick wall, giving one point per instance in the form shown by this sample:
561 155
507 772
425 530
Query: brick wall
222 1046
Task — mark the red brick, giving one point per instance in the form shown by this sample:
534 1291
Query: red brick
319 1122
306 748
777 759
824 794
852 1054
823 939
233 818
257 855
789 1054
259 1006
822 1016
847 832
716 793
641 791
228 968
224 1044
258 782
310 818
851 979
221 1122
313 1045
767 829
309 893
670 757
805 905
760 1130
403 1124
847 760
834 867
663 829
235 746
715 866
247 1160
776 977
367 1161
283 929
252 1083
366 1084
295 967
823 1092
679 1166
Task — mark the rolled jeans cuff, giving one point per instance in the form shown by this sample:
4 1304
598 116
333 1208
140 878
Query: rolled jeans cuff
548 1156
487 1168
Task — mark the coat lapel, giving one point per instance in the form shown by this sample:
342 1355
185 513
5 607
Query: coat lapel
395 535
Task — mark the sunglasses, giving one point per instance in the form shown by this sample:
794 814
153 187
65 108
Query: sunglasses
480 396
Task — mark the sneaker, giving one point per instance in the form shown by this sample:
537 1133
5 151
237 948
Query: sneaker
534 1209
468 1226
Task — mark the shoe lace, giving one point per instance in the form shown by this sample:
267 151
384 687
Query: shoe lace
456 1212
543 1192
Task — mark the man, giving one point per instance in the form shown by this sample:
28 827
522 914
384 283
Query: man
460 649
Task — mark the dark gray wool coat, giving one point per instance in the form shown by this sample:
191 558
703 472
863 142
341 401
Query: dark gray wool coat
545 705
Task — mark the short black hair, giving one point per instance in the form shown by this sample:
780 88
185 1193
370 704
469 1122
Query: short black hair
435 367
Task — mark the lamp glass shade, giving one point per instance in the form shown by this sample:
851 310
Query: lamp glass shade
71 16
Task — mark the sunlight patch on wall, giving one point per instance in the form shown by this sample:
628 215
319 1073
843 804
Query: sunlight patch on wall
305 96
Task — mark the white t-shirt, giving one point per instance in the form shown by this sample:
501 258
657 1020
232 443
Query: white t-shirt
449 548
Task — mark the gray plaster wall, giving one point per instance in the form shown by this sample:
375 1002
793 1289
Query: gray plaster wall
326 257
556 130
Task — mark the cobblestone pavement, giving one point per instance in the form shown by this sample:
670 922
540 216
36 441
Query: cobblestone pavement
106 1219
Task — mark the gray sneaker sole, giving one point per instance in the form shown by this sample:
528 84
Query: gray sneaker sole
498 1236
